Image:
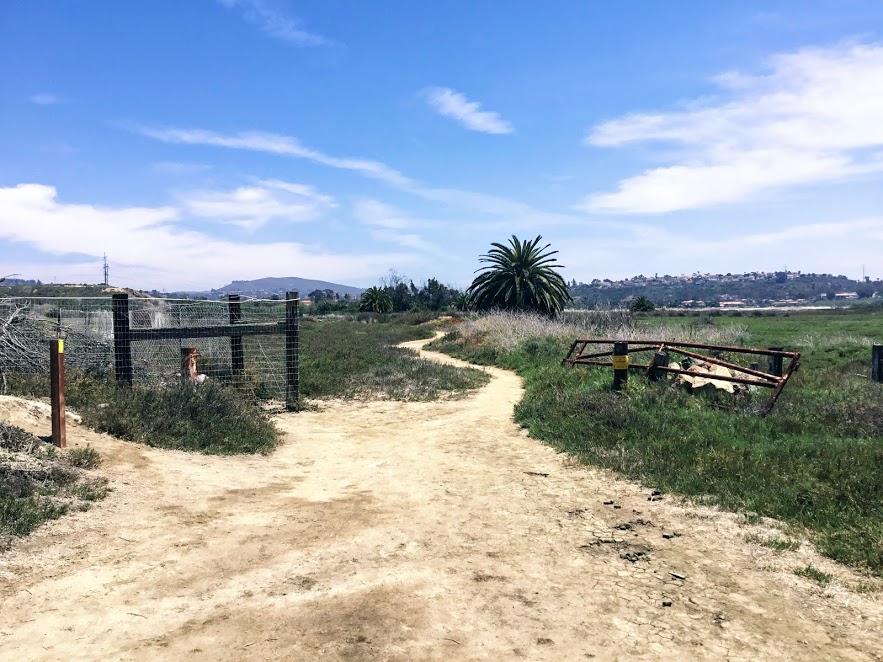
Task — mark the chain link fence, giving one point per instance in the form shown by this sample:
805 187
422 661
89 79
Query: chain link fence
249 344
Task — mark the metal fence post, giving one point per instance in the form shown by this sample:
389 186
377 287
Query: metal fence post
620 365
122 340
56 390
292 332
877 363
237 355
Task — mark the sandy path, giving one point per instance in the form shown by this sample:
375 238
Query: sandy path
426 531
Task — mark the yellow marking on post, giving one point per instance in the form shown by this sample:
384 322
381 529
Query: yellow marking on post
621 362
61 346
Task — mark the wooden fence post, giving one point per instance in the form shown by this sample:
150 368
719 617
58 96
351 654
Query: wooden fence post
660 358
56 390
877 364
122 341
620 365
237 355
775 362
292 331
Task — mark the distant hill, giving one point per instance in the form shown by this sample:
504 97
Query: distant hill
265 287
750 289
16 287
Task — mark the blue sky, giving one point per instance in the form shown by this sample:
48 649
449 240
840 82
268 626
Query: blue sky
205 141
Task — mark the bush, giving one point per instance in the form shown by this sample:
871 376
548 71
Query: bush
84 458
207 418
39 483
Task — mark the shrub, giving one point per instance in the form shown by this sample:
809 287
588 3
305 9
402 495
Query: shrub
208 418
84 458
38 483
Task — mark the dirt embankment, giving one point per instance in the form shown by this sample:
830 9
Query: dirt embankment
419 531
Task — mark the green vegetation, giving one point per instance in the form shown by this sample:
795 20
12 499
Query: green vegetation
816 462
19 288
351 359
755 288
777 543
210 418
642 304
816 575
519 276
207 418
375 300
39 482
84 458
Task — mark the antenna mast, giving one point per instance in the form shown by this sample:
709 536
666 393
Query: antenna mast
106 270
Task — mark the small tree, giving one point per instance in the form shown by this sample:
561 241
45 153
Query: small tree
642 304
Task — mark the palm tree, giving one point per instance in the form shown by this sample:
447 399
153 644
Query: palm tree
461 301
519 276
375 300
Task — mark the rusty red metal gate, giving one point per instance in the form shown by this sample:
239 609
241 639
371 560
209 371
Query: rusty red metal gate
775 379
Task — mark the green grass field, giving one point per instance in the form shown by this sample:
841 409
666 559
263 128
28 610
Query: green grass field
347 359
816 462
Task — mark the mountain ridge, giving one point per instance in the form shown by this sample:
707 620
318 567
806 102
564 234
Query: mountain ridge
280 285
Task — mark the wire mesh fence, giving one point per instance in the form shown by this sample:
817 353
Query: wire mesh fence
250 344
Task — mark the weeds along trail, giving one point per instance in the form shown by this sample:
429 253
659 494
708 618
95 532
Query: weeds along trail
409 531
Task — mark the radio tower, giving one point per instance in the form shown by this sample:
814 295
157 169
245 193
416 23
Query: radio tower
106 270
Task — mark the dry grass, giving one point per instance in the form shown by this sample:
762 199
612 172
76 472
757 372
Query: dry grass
503 331
39 482
813 340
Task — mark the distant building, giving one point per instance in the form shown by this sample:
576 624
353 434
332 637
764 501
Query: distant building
846 295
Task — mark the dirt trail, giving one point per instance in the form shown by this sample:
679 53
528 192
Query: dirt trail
425 531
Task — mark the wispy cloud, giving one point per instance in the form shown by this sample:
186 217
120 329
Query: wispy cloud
45 99
275 22
811 119
451 103
251 207
179 168
277 144
391 225
148 246
512 213
374 212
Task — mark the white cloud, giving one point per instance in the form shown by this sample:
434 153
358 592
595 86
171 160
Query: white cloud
380 214
250 207
406 240
275 23
513 213
148 248
391 225
813 118
451 103
273 143
45 99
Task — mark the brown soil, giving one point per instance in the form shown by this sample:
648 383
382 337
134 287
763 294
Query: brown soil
419 531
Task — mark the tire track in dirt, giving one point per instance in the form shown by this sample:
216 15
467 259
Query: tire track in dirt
407 531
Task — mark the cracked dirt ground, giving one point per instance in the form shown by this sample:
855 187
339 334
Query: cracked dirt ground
423 531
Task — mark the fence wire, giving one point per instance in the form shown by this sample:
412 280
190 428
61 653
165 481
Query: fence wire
87 325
